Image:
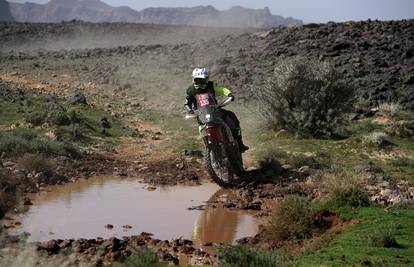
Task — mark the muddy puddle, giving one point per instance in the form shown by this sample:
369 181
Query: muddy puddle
84 209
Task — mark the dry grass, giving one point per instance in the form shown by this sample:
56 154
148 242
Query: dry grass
37 163
389 109
344 187
292 219
376 139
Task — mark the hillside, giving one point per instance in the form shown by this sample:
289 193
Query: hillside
98 11
5 13
376 58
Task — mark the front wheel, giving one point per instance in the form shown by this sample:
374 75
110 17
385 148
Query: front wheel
218 165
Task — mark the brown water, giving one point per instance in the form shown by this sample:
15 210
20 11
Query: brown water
82 209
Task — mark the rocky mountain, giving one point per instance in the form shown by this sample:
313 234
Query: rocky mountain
98 11
5 13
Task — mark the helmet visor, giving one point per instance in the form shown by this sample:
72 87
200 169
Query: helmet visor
200 81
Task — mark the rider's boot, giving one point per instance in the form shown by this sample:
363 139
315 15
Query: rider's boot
238 136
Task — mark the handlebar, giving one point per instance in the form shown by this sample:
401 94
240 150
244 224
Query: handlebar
190 116
225 102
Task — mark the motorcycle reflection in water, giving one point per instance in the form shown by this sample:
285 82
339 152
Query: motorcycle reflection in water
221 225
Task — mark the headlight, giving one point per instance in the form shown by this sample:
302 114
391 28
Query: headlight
208 116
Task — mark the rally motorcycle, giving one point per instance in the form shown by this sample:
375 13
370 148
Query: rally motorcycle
222 157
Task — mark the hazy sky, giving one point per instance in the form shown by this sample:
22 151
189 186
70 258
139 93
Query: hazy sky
307 10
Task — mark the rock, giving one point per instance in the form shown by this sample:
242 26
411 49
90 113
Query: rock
155 138
386 192
398 199
127 226
304 169
409 53
409 80
403 129
27 201
9 164
192 153
109 226
286 166
166 256
384 184
51 247
104 123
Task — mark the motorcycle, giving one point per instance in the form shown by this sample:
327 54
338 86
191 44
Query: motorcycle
222 157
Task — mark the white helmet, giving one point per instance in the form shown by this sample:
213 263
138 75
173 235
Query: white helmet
200 78
200 73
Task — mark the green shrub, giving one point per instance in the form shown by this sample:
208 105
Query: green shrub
59 118
304 97
20 141
242 256
403 162
384 237
352 196
292 219
36 118
144 258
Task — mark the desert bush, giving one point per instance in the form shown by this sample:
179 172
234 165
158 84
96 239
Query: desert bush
376 139
144 258
384 237
242 256
305 97
292 219
37 163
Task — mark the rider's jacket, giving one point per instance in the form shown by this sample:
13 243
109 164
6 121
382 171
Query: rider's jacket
211 87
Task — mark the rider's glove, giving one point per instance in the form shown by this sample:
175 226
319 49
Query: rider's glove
231 97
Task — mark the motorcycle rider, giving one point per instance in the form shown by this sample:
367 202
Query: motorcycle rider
202 84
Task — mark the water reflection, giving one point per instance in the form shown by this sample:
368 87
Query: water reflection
218 225
82 209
